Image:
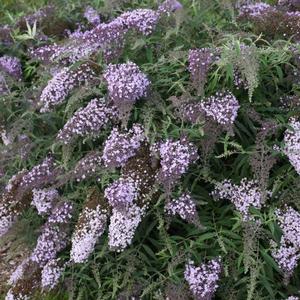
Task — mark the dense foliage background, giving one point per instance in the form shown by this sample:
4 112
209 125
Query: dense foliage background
152 267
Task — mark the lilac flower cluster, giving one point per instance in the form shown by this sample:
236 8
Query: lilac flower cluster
18 272
203 280
184 206
92 16
123 225
222 108
292 298
59 87
54 236
141 20
122 193
288 253
40 175
243 196
126 84
119 147
292 144
13 202
169 6
88 121
51 274
255 10
88 165
239 81
175 158
200 61
11 66
91 225
44 200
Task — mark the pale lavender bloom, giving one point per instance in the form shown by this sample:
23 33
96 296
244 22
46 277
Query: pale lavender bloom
119 147
169 6
126 83
292 144
51 274
18 272
200 61
122 192
40 175
11 66
222 108
44 200
287 257
255 10
292 298
61 213
289 222
142 20
203 280
88 165
184 206
59 87
91 225
88 121
175 158
92 15
123 224
243 196
11 296
52 240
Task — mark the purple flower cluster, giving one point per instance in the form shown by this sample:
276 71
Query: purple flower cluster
11 66
122 193
126 84
59 87
54 236
88 121
203 280
13 202
243 196
44 200
88 165
200 61
222 108
184 206
40 175
255 10
18 272
169 6
119 147
51 274
123 224
92 15
141 20
175 158
292 144
91 225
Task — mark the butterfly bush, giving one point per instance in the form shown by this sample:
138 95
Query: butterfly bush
18 272
126 84
44 200
90 226
88 166
59 87
123 225
13 201
203 280
255 10
122 193
175 158
184 206
88 121
54 236
169 6
119 147
92 16
200 62
51 274
11 65
243 196
292 144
